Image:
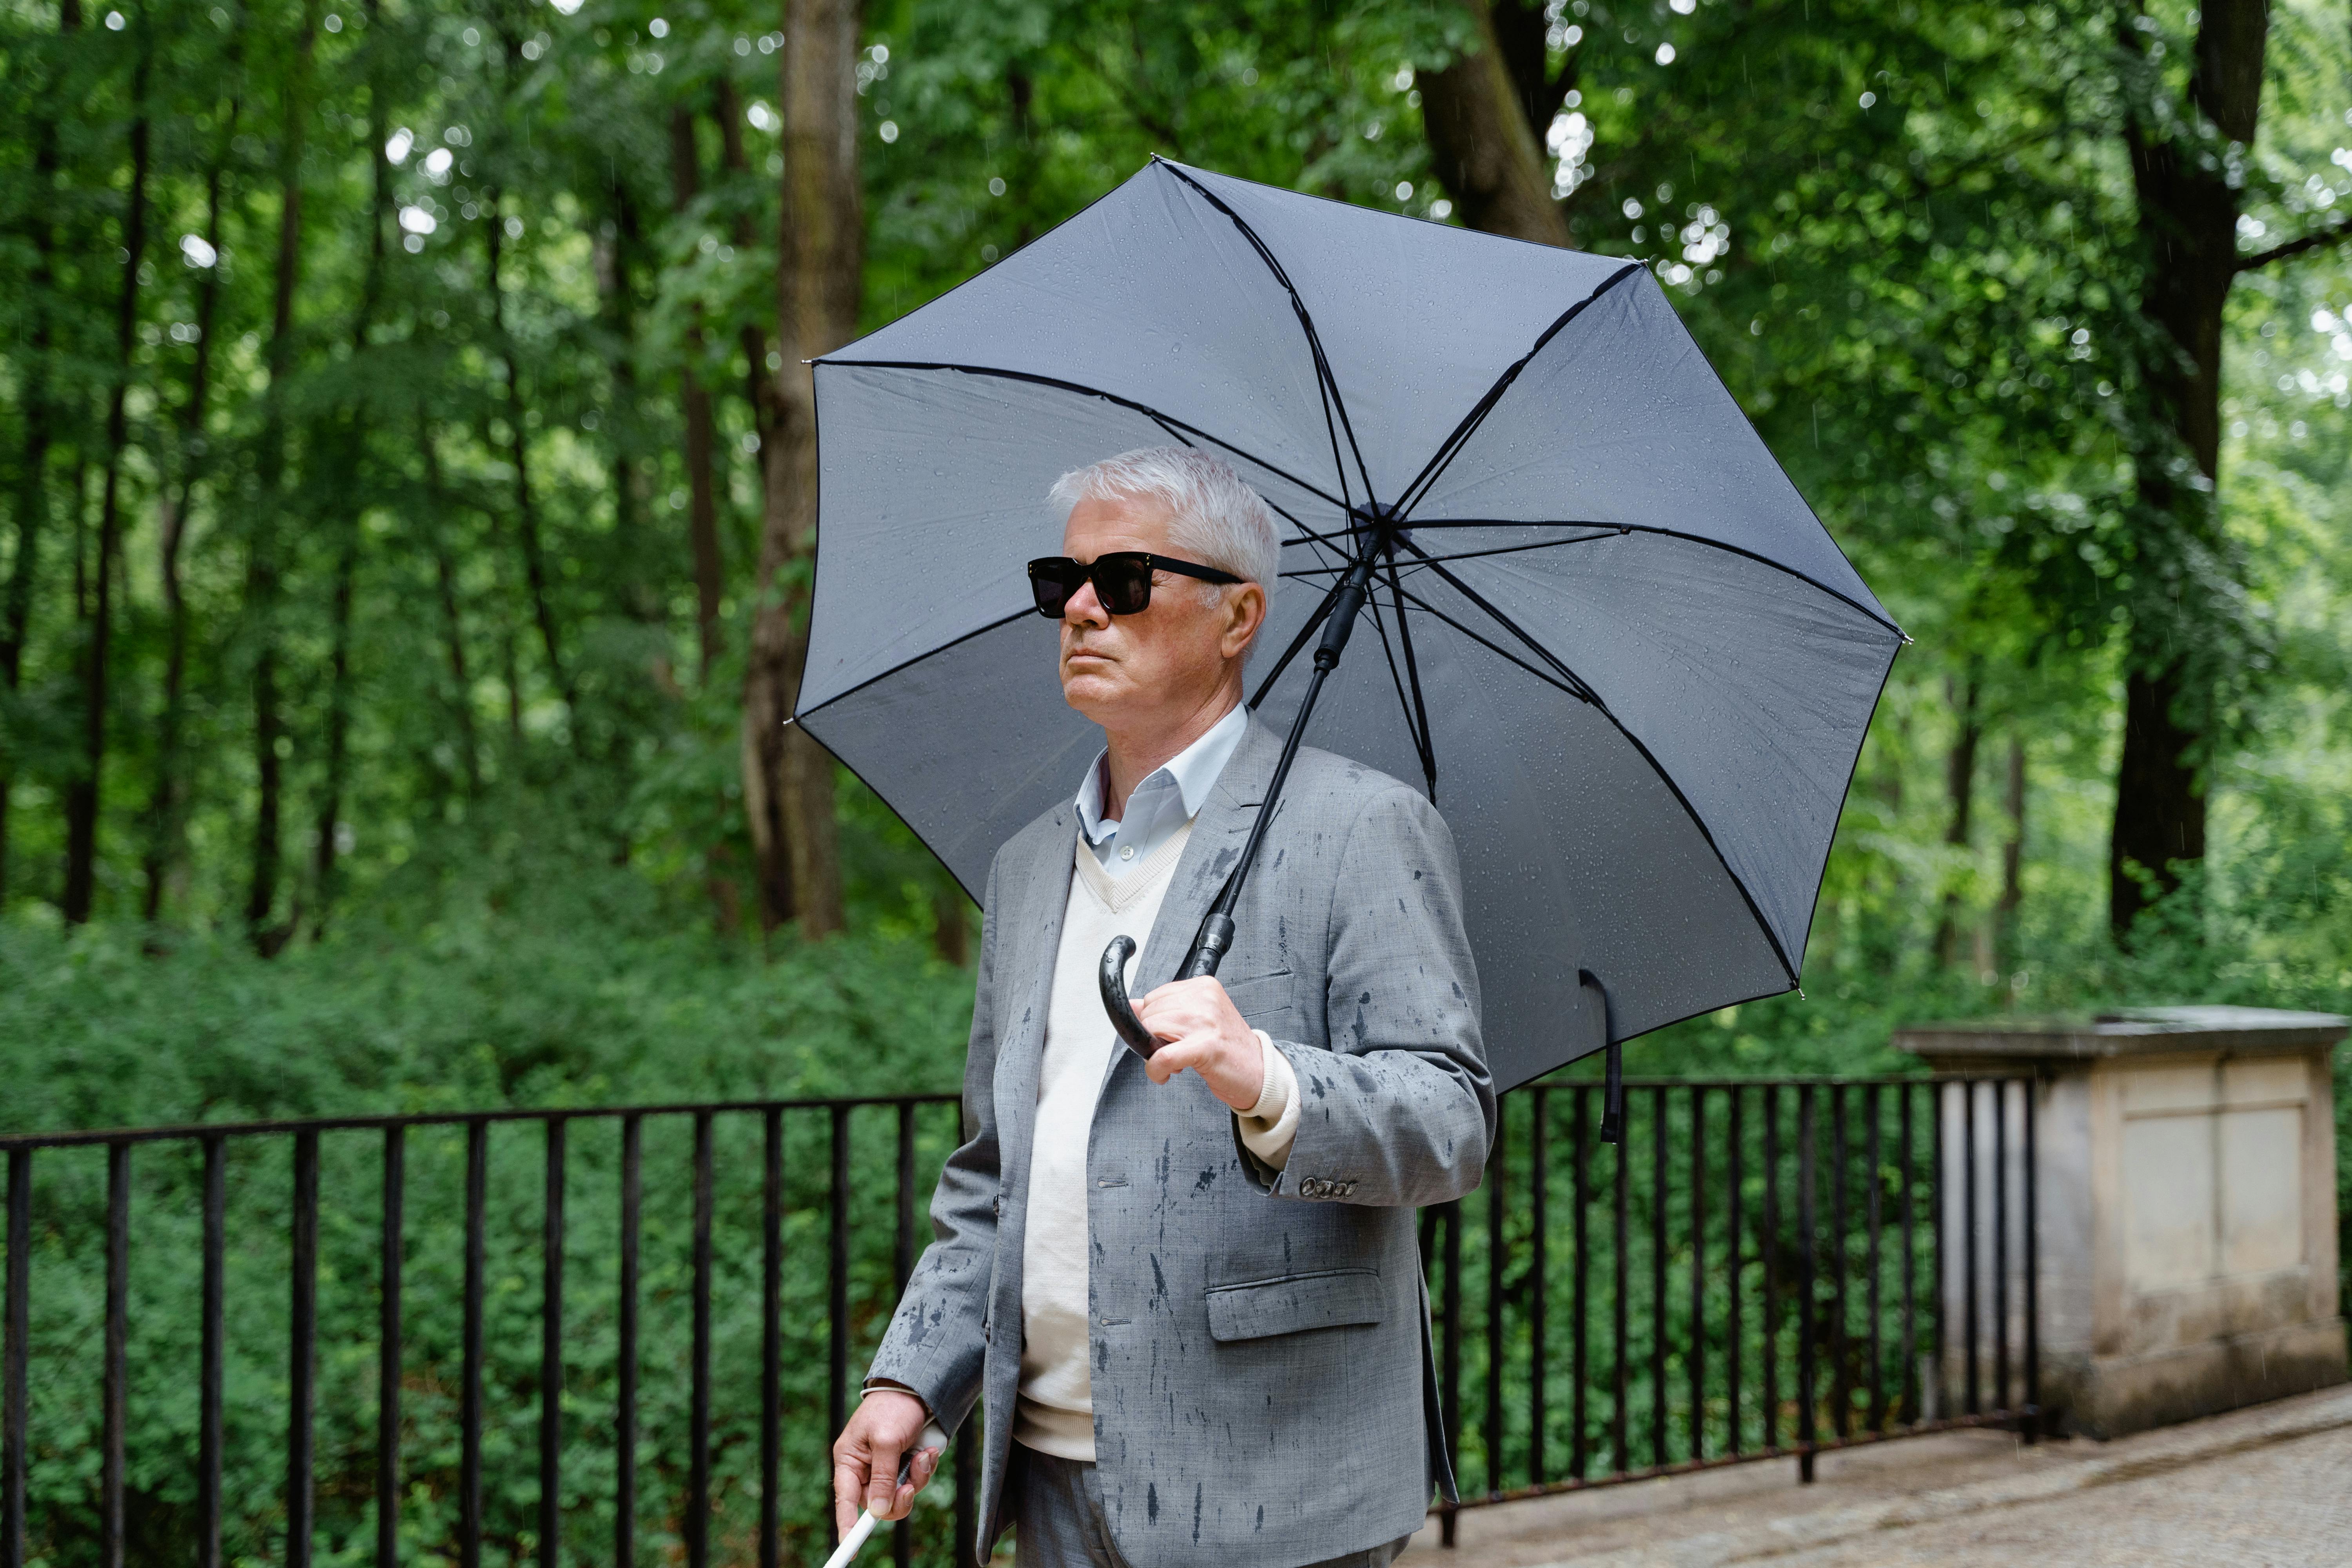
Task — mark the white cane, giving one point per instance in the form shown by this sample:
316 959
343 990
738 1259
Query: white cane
932 1437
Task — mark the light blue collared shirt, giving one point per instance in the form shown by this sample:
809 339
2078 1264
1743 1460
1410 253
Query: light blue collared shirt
1164 802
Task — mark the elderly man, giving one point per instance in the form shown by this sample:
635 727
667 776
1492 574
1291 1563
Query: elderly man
1187 1291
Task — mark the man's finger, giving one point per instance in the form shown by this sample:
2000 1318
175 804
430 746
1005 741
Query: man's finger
848 1488
881 1476
1172 1059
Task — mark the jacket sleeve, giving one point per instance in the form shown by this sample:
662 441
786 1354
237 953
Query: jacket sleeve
936 1342
1400 1109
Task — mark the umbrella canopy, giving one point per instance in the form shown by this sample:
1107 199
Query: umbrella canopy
1607 635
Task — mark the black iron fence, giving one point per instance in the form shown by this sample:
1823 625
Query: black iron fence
1760 1269
627 1335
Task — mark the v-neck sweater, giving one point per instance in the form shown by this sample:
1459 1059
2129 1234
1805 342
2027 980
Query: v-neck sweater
1055 1412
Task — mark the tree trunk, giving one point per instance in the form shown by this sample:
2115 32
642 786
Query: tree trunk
261 562
534 559
2012 870
84 795
1960 788
166 807
350 463
2188 223
760 386
788 777
614 280
1488 156
32 494
453 629
702 505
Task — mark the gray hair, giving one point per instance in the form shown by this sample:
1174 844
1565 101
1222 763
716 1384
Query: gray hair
1214 518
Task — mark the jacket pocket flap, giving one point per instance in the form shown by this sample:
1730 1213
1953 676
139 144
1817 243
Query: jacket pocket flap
1295 1303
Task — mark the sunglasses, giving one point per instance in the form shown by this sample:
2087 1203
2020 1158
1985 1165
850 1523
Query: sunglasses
1122 579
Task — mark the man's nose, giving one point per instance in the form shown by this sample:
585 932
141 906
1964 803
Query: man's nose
1085 609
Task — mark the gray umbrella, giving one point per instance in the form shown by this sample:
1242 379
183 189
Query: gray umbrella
1606 633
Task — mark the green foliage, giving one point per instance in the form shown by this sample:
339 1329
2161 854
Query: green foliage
1906 235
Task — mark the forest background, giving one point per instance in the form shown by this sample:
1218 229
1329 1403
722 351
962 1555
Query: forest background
402 422
404 537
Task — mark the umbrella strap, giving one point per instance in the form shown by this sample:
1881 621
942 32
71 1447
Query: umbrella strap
1612 1092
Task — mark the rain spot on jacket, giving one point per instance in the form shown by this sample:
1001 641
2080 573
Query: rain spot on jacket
1151 1501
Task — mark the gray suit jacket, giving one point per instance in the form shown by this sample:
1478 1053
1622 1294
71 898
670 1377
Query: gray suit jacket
1262 1389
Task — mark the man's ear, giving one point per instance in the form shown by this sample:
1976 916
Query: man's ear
1246 617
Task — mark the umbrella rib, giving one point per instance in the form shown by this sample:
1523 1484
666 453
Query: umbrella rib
1470 554
1418 603
1306 321
1424 737
1322 610
1168 422
800 714
1485 405
1406 705
1761 560
1633 739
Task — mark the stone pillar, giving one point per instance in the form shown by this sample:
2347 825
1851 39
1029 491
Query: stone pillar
2185 1177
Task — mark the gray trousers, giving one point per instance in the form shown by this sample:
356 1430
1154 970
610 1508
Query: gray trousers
1060 1523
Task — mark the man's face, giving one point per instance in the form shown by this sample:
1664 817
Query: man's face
1127 671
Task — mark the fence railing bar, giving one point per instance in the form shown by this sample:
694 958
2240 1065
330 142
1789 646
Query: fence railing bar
302 1417
117 1376
1968 1325
2004 1393
1872 1111
391 1248
1903 1134
1770 1246
1698 1338
211 1337
1939 1226
1620 1437
837 1277
192 1130
1840 1348
550 1354
625 1403
1808 1304
1497 1185
1538 1275
1579 1446
771 1330
697 1485
16 1359
1658 1275
469 1458
2032 1222
1733 1151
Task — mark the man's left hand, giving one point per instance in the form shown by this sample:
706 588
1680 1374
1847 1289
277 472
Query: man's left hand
1198 1027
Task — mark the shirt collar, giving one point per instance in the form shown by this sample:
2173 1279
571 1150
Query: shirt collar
1192 771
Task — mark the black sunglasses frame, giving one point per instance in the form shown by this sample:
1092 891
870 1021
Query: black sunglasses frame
1053 578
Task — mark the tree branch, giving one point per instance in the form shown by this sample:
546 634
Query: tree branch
2311 241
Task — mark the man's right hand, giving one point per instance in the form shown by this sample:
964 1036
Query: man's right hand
866 1458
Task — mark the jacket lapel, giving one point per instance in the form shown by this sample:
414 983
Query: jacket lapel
1031 937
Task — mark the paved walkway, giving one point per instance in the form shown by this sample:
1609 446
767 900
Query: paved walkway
2272 1485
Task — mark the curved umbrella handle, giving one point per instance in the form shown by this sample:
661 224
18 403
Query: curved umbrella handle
1114 998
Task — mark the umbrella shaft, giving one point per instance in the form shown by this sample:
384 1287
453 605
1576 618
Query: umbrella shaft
1217 930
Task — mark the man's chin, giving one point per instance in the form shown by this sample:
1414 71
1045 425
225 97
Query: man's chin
1092 695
